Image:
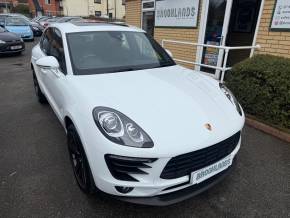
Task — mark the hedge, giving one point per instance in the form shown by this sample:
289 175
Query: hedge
262 86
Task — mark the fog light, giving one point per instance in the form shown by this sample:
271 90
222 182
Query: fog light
123 190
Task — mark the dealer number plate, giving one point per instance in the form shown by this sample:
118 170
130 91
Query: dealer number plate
16 47
209 171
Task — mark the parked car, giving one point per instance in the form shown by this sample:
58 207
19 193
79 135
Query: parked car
49 21
19 26
10 42
39 18
42 21
36 28
139 127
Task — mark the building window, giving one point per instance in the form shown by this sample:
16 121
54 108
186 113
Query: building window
98 1
98 13
47 2
123 2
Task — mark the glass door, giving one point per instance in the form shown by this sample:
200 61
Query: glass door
148 16
148 22
214 31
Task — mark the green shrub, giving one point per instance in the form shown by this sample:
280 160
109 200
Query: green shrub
262 85
21 9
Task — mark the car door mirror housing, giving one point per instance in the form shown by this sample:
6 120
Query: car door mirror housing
49 62
169 53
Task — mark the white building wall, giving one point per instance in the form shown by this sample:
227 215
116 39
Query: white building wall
89 7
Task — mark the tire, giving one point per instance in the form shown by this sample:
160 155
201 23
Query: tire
80 165
40 96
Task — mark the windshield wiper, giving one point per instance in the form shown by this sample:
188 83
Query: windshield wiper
126 69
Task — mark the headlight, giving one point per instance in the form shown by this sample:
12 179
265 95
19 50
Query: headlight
120 129
231 97
35 28
2 42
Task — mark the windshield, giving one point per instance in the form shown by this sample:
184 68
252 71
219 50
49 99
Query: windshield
114 51
16 21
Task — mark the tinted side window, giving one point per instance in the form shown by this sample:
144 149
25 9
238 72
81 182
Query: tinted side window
57 49
46 41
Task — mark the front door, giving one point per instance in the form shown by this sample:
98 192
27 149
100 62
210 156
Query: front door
148 16
226 23
214 32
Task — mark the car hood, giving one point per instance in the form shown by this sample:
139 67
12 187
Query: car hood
7 36
172 104
19 29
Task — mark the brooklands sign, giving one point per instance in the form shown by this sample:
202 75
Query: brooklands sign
173 13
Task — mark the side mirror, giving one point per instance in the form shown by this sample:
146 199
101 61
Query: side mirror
48 62
169 53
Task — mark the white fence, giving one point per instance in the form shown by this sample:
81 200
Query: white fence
223 68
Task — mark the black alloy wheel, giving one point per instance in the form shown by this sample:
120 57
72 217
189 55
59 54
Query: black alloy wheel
79 161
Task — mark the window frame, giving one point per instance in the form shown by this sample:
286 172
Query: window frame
98 12
48 52
63 70
41 41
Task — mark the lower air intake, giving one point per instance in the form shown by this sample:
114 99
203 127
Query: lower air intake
122 167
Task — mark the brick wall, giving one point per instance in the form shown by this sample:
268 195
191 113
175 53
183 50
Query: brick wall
133 12
179 51
52 8
274 43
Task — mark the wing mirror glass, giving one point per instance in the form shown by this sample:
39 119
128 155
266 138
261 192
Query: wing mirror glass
48 62
169 53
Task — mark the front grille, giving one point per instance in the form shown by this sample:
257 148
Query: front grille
6 47
122 167
184 164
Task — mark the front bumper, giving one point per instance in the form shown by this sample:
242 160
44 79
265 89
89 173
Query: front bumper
27 38
181 195
6 48
150 189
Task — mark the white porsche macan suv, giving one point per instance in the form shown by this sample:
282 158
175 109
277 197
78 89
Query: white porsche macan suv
139 127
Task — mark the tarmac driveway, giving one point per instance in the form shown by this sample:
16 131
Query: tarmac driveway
36 179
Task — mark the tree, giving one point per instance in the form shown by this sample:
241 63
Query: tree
21 9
